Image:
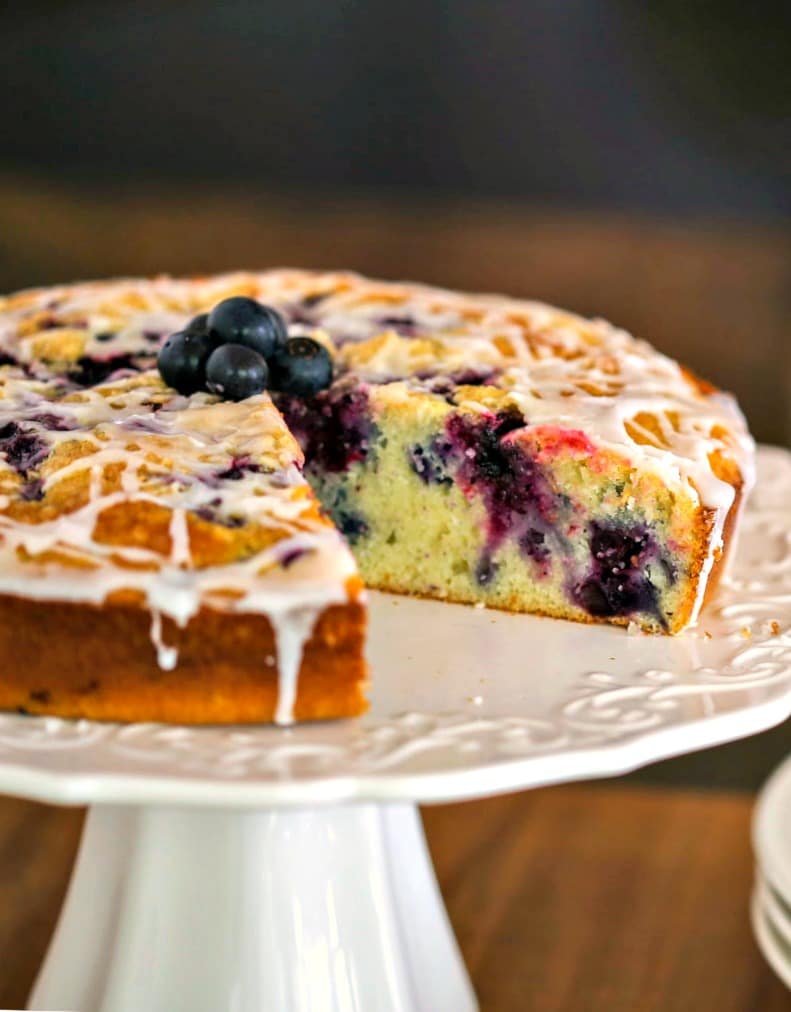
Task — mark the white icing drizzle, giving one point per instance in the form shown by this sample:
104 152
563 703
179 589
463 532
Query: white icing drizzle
560 369
180 539
292 631
167 657
232 464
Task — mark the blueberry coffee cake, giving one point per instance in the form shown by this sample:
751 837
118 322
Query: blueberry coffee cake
196 477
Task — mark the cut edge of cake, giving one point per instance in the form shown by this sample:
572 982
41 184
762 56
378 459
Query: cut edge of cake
615 450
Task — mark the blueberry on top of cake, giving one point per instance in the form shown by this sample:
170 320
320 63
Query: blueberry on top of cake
470 448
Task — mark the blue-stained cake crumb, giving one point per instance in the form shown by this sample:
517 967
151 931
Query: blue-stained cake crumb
335 428
53 422
428 464
618 583
293 555
351 524
344 512
88 372
533 544
402 324
211 514
485 570
447 386
240 466
22 447
519 501
32 491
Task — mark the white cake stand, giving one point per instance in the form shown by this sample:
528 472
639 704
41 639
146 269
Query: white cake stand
252 869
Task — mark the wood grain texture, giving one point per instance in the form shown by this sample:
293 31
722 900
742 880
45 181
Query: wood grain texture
580 899
604 899
37 848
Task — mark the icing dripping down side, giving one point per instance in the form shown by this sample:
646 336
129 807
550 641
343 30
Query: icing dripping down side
167 657
192 504
292 631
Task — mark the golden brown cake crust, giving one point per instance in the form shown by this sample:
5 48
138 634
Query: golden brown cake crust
170 546
77 660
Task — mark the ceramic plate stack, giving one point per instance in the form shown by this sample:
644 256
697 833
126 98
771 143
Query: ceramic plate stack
771 900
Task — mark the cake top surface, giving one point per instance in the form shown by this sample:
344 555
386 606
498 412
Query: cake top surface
85 413
555 367
128 492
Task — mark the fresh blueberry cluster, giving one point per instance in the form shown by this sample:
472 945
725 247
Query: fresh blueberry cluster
240 349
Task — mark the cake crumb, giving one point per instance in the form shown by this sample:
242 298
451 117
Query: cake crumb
269 660
706 634
477 700
633 629
479 605
746 632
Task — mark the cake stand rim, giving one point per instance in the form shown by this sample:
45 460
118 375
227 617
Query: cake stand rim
418 788
701 709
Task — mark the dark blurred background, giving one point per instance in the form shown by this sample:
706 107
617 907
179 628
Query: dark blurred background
624 159
667 106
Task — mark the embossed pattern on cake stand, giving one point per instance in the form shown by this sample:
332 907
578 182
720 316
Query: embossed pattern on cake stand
227 867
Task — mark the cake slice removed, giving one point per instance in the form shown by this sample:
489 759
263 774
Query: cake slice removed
162 558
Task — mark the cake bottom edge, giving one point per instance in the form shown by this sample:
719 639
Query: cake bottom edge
98 662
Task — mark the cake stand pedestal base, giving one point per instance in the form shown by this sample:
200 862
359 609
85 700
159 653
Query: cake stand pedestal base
333 908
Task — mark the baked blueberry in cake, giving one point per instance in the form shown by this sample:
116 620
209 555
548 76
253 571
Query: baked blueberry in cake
480 449
161 522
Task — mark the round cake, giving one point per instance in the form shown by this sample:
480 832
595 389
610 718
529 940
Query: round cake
178 555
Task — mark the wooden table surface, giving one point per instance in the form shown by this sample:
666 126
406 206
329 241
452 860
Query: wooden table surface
568 899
